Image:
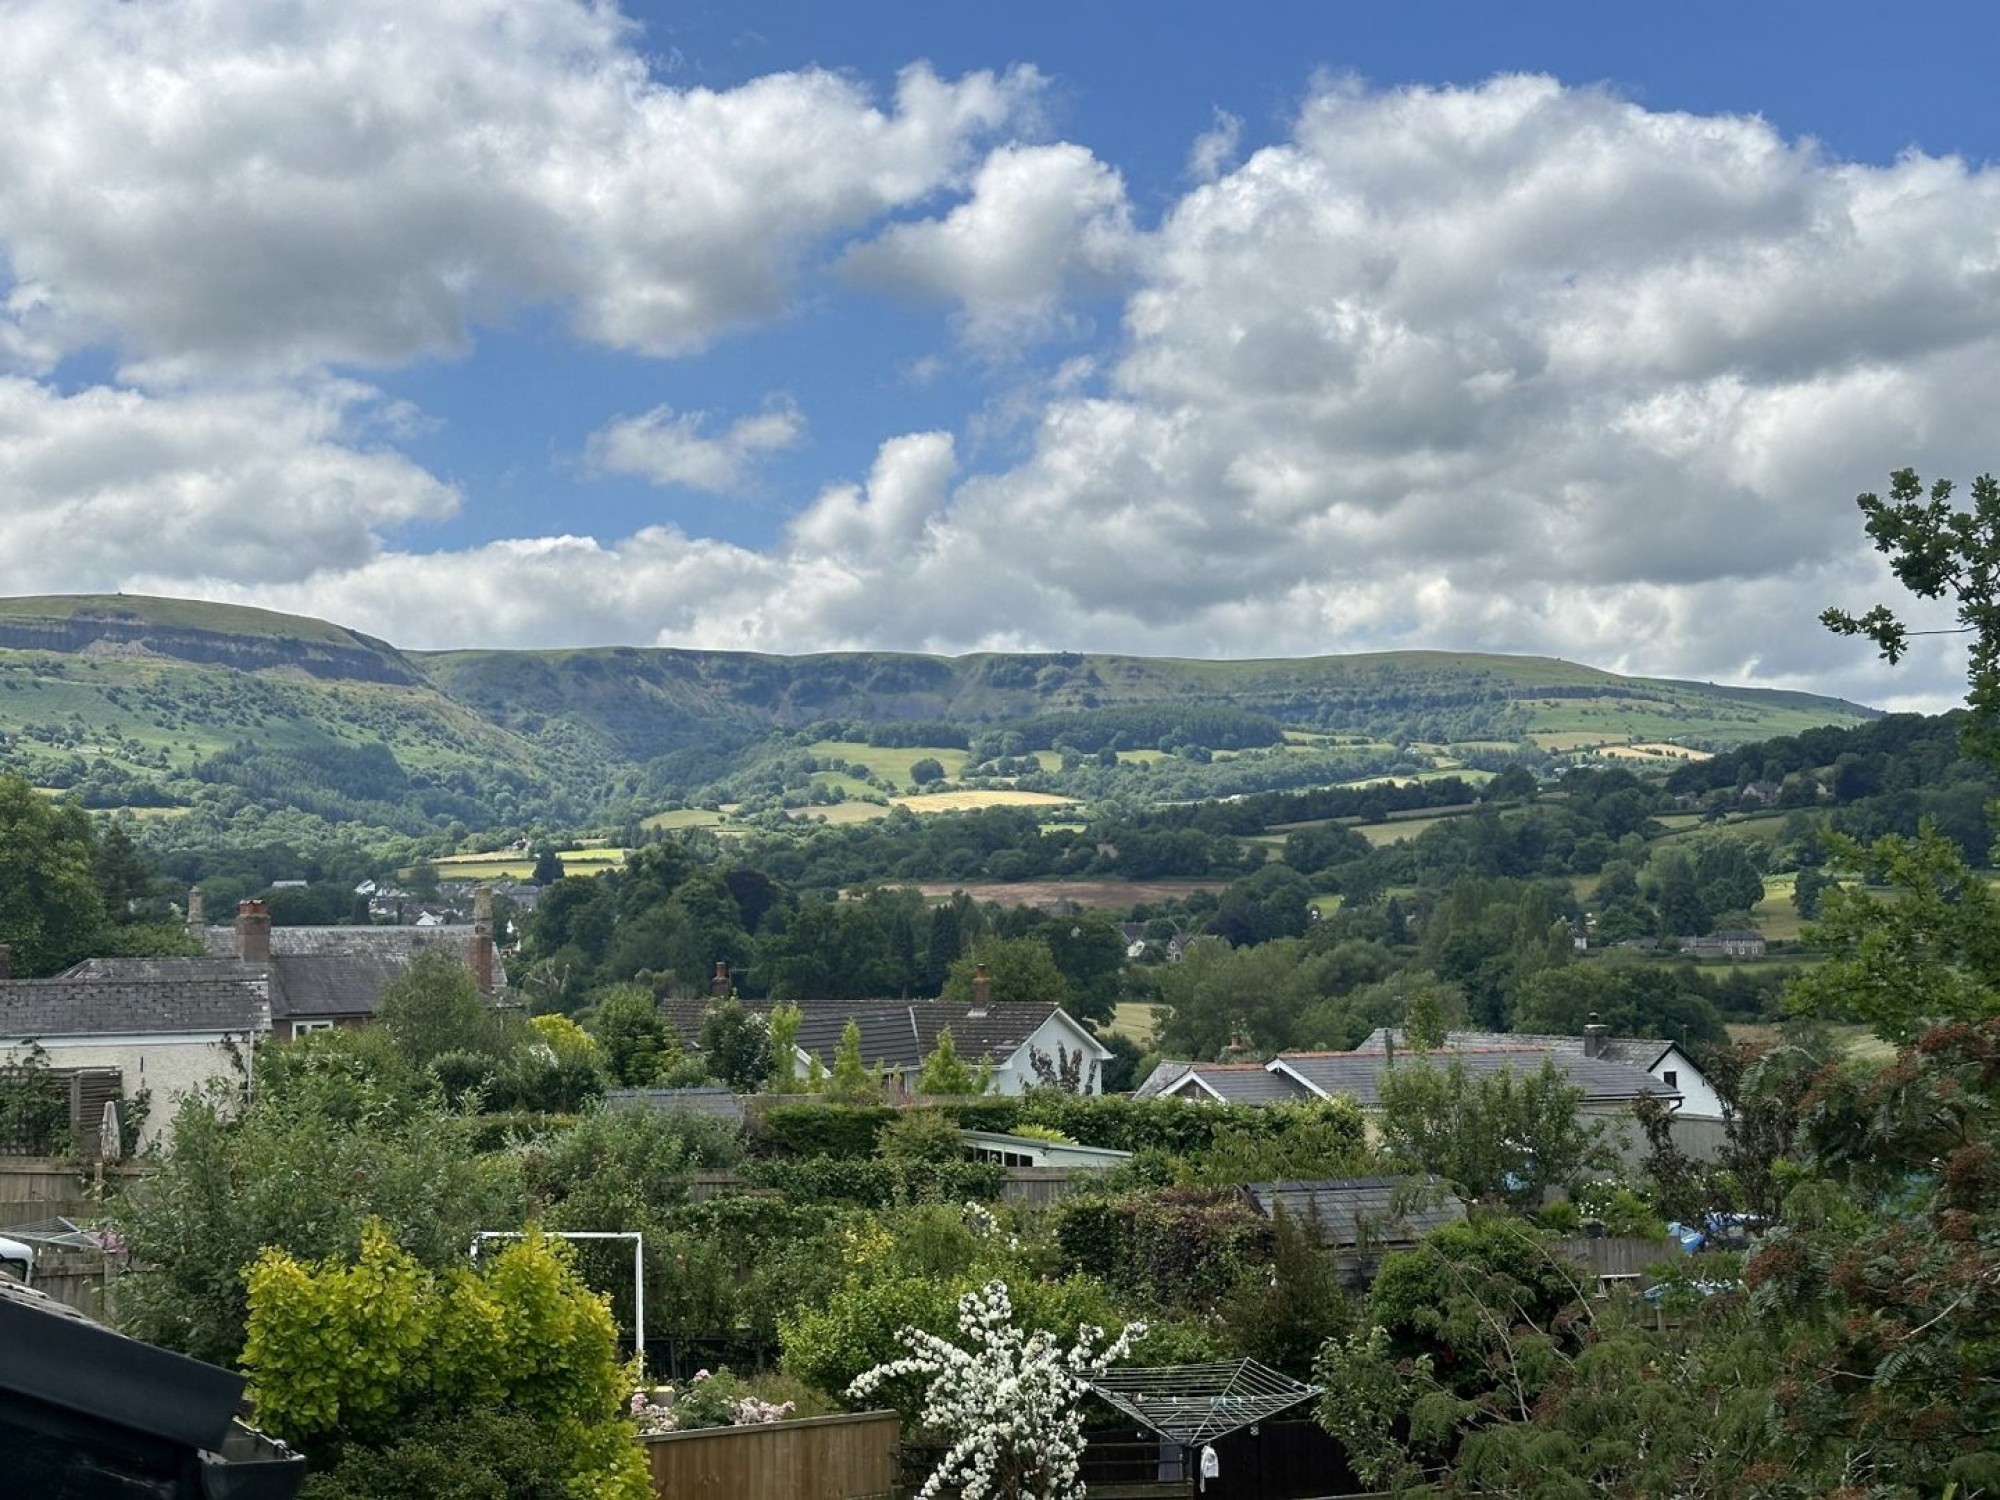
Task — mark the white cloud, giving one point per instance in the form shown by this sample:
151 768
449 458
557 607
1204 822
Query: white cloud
668 448
104 487
1039 220
1214 150
211 187
1511 368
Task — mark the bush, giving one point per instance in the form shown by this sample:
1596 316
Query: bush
821 1129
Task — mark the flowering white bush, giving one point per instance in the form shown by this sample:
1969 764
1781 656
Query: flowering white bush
1009 1402
707 1400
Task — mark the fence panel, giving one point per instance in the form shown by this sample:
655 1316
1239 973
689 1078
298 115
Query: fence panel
820 1458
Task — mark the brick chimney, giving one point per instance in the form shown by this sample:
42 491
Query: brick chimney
197 915
253 932
719 985
982 990
481 957
1593 1037
6 962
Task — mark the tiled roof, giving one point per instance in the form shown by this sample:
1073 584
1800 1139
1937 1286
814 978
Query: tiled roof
895 1033
1633 1051
1237 1083
232 1000
401 942
1358 1074
1362 1212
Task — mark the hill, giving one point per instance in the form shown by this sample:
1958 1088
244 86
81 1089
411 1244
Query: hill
176 705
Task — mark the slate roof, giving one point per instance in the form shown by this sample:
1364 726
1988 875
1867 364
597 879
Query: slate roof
154 1004
1633 1051
1237 1083
330 985
402 943
895 1033
1358 1074
1361 1212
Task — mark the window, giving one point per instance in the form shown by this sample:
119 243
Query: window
1671 1079
300 1028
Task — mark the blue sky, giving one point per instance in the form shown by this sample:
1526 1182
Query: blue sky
1568 329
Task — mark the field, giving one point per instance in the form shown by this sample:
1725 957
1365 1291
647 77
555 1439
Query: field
893 762
685 817
1093 895
968 801
1135 1021
509 866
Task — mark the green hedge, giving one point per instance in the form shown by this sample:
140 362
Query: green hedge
878 1184
821 1129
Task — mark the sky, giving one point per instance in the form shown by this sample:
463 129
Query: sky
1191 330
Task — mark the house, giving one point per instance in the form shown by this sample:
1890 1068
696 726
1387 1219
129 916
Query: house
1609 1088
172 1026
1658 1057
85 1411
1739 942
897 1035
1221 1083
1032 1151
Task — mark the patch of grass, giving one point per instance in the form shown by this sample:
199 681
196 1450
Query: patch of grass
967 801
894 762
684 817
1134 1020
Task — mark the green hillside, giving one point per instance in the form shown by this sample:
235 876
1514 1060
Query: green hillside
166 703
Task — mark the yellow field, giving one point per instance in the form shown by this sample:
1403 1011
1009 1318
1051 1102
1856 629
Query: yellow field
969 801
1574 739
1655 751
497 866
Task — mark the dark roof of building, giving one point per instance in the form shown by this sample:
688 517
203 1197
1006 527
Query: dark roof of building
1633 1051
1360 1213
330 984
1236 1083
154 999
1357 1075
719 1102
894 1033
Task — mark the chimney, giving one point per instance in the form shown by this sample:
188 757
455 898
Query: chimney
6 962
982 990
482 938
197 915
1593 1037
719 985
253 932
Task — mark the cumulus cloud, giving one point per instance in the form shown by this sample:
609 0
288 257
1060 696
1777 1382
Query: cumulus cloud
1515 367
1039 220
104 487
669 448
227 187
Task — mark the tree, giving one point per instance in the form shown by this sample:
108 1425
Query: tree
945 1072
634 1035
434 1007
345 1355
736 1044
548 864
926 770
1018 970
1495 1135
50 906
1008 1405
1935 550
851 1081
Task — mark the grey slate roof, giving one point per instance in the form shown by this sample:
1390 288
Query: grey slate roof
402 943
1237 1083
1362 1212
1633 1051
1358 1074
156 1004
897 1033
330 985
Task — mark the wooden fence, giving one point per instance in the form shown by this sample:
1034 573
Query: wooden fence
818 1458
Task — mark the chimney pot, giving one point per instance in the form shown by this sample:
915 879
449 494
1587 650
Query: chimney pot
482 938
253 932
982 988
1593 1037
718 984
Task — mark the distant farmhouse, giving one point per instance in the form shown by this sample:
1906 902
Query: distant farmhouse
169 1026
